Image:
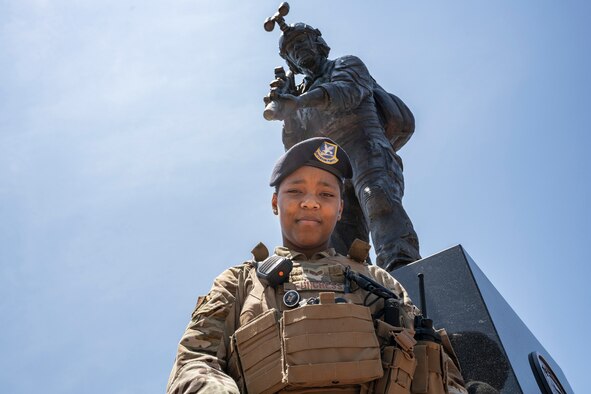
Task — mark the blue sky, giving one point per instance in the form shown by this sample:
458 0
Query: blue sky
134 165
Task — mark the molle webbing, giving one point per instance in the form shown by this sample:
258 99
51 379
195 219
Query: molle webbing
259 348
430 372
330 344
398 360
399 368
325 345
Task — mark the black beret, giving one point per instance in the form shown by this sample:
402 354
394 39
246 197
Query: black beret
320 152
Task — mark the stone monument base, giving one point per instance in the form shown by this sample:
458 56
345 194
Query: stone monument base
493 345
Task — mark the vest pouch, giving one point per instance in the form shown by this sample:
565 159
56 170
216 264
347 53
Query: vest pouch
329 345
430 376
399 368
258 346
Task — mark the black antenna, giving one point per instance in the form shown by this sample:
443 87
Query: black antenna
422 294
424 330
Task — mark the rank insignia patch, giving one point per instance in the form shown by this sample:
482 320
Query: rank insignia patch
327 153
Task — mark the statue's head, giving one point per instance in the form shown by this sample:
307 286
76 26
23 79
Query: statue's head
302 45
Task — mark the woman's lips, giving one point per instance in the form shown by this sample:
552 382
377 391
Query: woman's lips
308 220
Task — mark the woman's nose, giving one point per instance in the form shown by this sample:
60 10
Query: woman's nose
310 202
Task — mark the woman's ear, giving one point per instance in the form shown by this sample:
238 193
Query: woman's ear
274 204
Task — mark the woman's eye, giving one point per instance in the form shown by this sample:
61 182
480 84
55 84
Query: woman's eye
327 195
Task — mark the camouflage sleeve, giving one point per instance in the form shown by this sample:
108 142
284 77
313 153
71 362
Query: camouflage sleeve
201 356
350 83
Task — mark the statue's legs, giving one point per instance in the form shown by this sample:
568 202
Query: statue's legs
352 224
379 187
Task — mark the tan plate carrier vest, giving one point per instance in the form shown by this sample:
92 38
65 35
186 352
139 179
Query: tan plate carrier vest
331 347
323 346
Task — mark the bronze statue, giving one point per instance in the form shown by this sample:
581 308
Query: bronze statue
339 99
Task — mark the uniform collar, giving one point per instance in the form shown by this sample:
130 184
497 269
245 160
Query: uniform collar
293 255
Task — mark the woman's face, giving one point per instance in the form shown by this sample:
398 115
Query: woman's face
309 205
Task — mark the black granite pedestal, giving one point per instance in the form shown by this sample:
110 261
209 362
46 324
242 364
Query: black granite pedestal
492 343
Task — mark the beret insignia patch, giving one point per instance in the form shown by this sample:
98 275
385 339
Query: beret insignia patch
327 153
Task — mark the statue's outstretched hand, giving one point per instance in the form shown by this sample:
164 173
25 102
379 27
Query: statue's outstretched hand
288 103
280 106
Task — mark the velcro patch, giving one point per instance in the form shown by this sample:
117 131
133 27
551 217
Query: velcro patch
307 285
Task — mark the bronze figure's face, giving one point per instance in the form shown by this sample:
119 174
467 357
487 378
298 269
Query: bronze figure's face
302 50
309 205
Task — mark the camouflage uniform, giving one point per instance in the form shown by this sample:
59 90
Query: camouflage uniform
204 361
